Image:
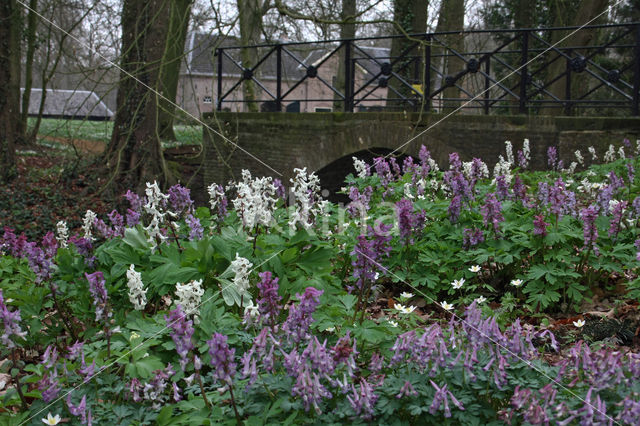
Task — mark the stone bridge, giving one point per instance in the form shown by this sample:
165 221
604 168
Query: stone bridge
325 142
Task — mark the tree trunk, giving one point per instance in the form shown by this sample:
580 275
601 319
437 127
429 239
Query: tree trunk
452 19
32 26
170 70
411 15
347 31
134 155
587 10
250 18
10 32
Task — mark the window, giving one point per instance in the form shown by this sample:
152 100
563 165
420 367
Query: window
322 109
207 99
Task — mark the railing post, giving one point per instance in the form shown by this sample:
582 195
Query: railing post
348 83
524 73
219 98
635 108
279 78
567 86
426 92
487 85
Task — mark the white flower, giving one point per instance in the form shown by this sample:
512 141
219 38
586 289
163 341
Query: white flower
62 233
474 269
526 152
592 151
610 155
133 336
480 300
407 191
89 218
621 153
579 157
216 195
509 149
330 329
361 168
446 306
137 292
155 201
406 295
251 310
307 198
241 267
392 323
51 420
189 296
503 168
255 201
404 309
376 276
517 283
457 284
580 323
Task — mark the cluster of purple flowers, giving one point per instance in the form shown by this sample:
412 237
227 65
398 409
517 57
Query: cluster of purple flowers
408 222
155 390
269 300
222 359
99 293
181 333
40 258
491 212
368 253
590 230
359 205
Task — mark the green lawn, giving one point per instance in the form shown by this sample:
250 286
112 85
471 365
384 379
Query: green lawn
101 131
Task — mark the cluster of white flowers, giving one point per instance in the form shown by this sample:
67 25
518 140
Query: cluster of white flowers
610 155
154 206
433 166
216 195
592 151
255 201
189 296
621 153
637 146
62 233
137 292
502 167
579 157
526 152
307 200
89 218
241 267
571 169
613 204
509 148
361 167
590 188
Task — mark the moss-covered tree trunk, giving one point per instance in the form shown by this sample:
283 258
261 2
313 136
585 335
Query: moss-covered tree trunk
170 70
347 31
452 19
30 38
10 32
411 15
250 13
134 155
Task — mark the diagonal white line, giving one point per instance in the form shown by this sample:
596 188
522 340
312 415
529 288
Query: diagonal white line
527 362
104 367
151 89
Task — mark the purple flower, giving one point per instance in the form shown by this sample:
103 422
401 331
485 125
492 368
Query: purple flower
552 158
181 333
359 204
78 410
135 201
520 191
616 218
40 264
376 363
222 358
49 385
155 389
75 350
84 247
502 188
309 388
540 226
408 166
408 221
117 221
631 173
454 208
363 401
425 163
15 245
99 293
440 398
491 212
50 245
195 228
472 237
133 218
454 161
368 252
407 390
281 192
590 230
383 170
269 301
180 199
296 327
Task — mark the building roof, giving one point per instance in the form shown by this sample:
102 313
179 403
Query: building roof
200 60
69 104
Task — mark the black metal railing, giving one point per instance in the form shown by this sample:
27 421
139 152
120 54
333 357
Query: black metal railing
538 70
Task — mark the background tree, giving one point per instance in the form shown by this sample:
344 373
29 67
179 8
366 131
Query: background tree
10 33
134 155
451 18
250 15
